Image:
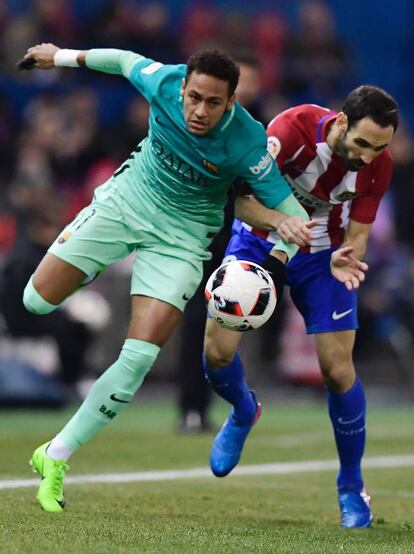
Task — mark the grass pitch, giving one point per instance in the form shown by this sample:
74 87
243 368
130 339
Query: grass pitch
295 513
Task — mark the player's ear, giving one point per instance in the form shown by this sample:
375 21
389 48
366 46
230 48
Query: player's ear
342 121
182 87
230 102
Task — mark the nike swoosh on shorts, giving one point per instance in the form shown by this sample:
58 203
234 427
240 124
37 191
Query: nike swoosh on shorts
336 316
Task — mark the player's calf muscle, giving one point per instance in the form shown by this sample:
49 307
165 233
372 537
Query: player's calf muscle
219 345
216 358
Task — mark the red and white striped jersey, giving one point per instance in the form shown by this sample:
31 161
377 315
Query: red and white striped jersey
319 178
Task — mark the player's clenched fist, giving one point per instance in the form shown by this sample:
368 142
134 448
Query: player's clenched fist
43 54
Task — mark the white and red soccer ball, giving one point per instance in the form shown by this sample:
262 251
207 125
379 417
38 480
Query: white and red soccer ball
240 295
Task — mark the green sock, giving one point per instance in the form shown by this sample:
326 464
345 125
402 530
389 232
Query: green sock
110 393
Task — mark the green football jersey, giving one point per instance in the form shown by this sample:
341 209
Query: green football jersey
186 175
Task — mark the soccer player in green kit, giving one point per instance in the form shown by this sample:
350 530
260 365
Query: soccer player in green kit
166 204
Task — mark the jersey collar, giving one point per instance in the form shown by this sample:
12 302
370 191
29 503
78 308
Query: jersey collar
226 120
322 126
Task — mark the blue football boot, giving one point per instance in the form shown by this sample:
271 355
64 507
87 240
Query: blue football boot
228 444
355 508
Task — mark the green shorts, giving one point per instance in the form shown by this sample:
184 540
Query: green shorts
169 251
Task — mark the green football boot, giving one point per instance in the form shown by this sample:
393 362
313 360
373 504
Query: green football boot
52 472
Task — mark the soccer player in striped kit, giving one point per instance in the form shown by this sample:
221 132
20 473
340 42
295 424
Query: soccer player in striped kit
338 167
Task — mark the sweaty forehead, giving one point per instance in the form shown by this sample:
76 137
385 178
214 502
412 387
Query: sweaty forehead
207 86
373 133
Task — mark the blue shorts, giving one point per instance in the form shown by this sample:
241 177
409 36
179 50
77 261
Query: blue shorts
325 304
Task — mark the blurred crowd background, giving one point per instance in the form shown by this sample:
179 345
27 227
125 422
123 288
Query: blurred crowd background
64 132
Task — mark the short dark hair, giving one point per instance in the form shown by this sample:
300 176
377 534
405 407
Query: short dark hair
216 64
373 102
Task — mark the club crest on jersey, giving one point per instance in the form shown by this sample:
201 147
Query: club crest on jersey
64 237
347 195
213 168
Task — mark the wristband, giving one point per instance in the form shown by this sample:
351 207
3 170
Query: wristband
65 57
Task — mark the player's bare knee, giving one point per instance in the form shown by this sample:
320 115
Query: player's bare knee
339 378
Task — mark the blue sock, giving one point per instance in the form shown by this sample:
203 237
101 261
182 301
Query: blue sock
229 383
347 413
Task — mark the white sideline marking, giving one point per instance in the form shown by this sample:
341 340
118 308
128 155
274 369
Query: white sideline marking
282 468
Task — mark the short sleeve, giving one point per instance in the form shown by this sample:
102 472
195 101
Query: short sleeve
263 175
147 76
284 140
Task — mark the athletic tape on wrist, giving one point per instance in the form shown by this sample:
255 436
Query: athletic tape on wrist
66 58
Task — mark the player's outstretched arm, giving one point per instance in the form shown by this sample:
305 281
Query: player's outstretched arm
107 60
347 268
289 219
48 56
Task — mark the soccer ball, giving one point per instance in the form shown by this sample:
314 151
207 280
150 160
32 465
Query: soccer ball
240 295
